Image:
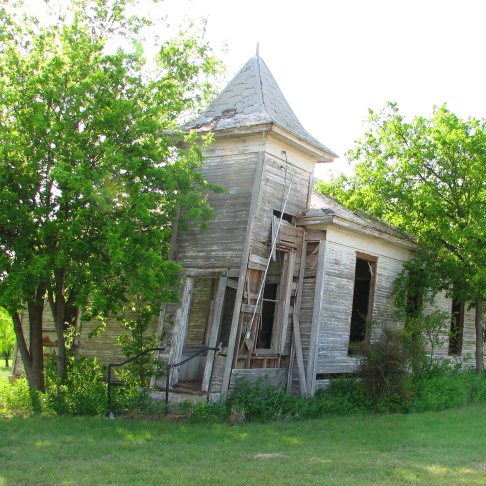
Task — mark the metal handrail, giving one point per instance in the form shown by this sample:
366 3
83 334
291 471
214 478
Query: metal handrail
168 368
176 365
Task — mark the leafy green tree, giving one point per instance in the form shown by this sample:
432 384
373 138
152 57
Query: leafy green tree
93 167
7 335
426 176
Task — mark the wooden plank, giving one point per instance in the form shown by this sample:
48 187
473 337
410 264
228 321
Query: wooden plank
297 342
258 260
316 316
180 328
213 332
298 354
250 308
284 307
255 203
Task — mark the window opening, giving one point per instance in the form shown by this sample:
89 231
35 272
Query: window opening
457 328
264 339
362 301
286 217
227 317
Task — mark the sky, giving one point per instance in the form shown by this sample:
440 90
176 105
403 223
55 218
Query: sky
335 59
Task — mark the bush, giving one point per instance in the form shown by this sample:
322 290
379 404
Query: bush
83 393
16 399
383 371
447 390
260 400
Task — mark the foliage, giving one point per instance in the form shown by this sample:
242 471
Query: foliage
426 177
83 393
15 399
93 166
448 389
7 335
260 400
137 338
383 366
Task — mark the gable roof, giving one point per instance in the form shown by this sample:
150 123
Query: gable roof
325 210
253 98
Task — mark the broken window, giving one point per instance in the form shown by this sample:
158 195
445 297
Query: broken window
457 328
264 340
364 282
285 216
227 315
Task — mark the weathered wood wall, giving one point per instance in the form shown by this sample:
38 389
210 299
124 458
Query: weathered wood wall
337 301
219 246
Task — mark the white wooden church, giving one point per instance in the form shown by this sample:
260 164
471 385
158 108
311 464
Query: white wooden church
285 280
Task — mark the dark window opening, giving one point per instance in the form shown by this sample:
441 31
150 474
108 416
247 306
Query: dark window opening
264 340
227 317
362 301
457 328
286 217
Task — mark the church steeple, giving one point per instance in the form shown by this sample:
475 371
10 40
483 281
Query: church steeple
253 98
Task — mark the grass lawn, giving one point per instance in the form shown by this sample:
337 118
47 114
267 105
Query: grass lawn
442 448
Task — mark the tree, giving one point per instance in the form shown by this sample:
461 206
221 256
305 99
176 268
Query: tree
427 177
93 167
7 335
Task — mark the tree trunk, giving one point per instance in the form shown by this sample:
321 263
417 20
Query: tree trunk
479 335
64 313
33 354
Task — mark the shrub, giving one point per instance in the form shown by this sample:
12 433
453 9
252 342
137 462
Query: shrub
259 400
16 399
383 371
448 389
83 393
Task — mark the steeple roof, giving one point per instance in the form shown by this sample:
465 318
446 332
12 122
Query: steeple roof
253 98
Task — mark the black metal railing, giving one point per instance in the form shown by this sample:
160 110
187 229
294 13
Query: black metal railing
169 367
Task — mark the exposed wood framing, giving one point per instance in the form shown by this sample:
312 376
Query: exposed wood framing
213 331
255 202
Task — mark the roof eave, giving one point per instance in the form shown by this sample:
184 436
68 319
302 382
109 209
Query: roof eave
322 156
323 222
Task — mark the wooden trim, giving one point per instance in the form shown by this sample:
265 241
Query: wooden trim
297 342
316 317
214 331
235 323
365 256
284 306
180 328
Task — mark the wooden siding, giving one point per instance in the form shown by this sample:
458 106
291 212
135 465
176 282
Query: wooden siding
276 182
220 244
337 306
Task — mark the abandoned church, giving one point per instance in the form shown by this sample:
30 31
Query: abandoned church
284 280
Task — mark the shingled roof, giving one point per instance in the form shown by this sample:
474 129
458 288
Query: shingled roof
253 98
324 209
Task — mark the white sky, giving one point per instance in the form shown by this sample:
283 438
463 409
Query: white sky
334 59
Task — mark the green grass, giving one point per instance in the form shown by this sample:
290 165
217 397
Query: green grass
441 448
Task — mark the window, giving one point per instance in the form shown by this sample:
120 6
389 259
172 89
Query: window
285 217
457 328
364 282
264 339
